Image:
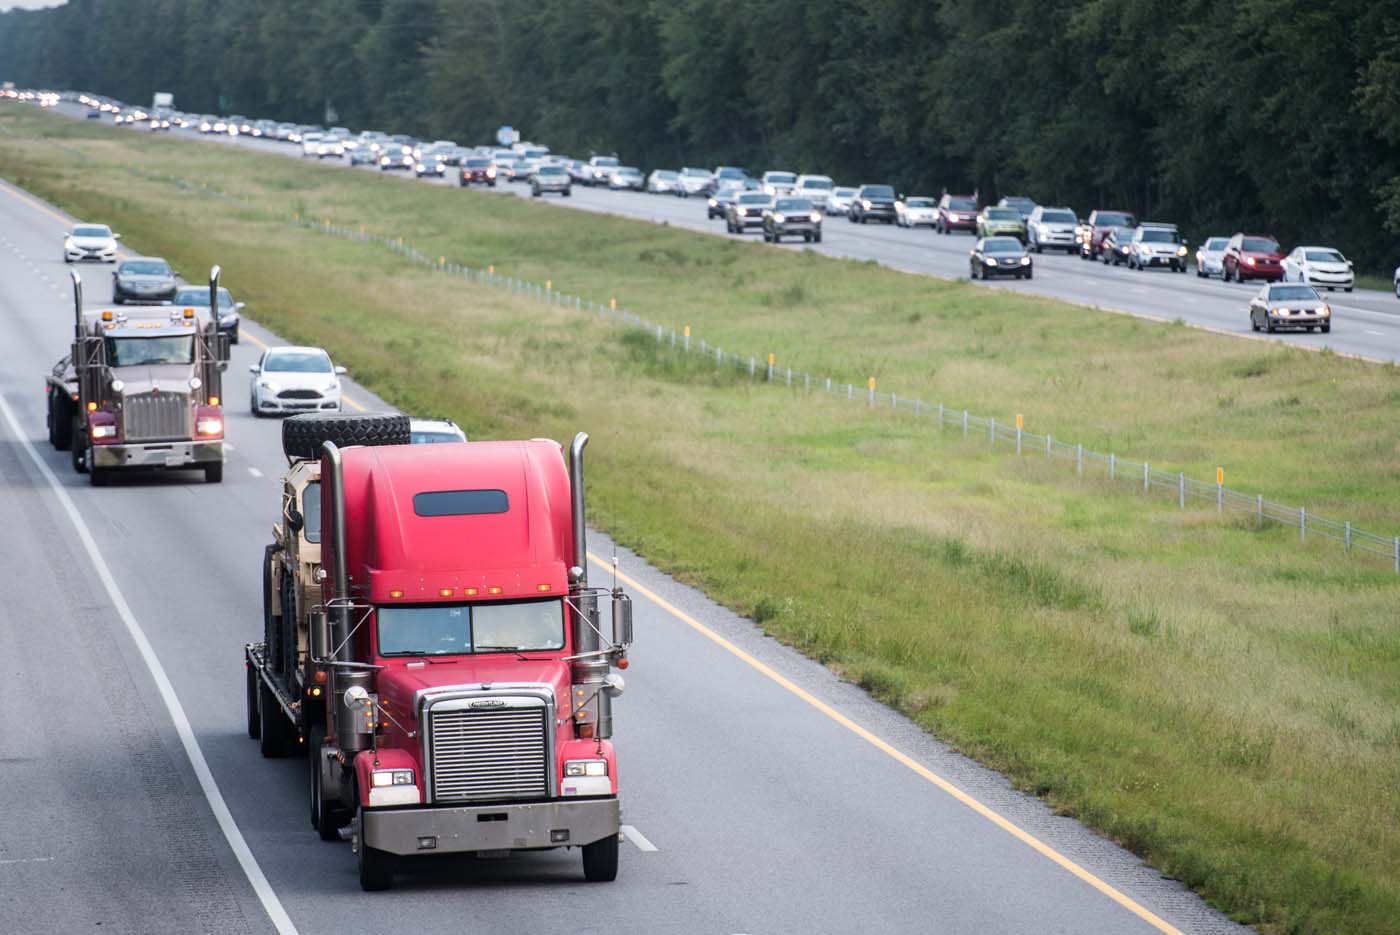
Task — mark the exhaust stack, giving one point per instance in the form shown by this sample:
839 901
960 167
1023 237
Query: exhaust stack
353 724
77 304
591 666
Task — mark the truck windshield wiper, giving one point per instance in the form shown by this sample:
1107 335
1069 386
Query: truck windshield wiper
504 649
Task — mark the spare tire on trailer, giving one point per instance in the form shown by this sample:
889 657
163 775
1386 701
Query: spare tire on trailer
302 435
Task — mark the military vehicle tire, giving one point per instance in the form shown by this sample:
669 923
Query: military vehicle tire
303 435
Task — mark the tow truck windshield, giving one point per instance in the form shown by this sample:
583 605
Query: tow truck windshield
137 352
462 629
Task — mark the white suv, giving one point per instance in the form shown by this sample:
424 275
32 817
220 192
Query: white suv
1052 228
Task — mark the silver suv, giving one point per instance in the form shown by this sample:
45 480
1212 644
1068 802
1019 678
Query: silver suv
551 178
1052 228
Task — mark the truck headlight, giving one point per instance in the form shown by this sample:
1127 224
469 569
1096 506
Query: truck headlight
209 426
104 431
574 768
392 777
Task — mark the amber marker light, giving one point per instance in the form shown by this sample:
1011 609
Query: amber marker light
542 588
396 593
446 592
494 589
470 592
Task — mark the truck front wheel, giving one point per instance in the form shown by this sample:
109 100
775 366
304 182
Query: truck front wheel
79 442
214 473
376 867
600 860
327 817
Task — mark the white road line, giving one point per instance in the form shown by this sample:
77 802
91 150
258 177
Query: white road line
1376 333
637 838
255 472
228 447
266 895
26 860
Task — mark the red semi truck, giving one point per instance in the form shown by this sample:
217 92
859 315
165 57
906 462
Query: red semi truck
449 681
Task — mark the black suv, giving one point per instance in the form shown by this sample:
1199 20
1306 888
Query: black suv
873 201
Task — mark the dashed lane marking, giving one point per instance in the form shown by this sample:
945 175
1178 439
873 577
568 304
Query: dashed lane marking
255 472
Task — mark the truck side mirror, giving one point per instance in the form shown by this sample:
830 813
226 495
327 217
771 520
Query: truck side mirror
295 521
621 619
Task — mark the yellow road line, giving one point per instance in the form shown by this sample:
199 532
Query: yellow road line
904 759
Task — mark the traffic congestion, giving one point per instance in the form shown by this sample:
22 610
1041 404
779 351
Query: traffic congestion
1007 238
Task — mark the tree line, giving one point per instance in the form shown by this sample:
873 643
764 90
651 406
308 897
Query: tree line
1274 116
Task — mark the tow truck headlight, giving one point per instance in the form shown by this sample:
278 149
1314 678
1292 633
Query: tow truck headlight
575 768
209 426
391 777
104 431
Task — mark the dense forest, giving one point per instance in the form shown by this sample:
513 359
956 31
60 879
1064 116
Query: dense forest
1271 115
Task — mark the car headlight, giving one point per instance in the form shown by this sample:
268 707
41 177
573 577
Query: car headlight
1025 261
991 261
743 211
713 203
574 768
1278 311
865 204
1249 260
1124 249
419 167
779 219
1324 311
1181 251
816 218
391 777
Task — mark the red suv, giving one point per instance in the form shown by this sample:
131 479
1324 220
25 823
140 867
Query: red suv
1099 223
957 213
1252 256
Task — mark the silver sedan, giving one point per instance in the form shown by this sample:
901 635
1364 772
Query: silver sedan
1289 305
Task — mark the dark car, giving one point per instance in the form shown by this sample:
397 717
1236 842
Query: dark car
999 256
228 309
957 213
477 169
1289 305
1092 231
874 202
143 279
746 211
717 205
1021 203
1252 256
1116 246
793 217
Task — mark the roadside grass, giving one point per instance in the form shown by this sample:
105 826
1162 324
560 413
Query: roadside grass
1221 699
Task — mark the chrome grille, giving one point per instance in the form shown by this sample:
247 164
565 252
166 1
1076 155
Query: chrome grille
499 753
148 417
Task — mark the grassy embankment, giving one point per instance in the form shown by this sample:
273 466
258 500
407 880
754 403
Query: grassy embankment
1223 701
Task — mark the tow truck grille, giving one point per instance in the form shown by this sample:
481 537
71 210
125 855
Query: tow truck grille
489 754
149 417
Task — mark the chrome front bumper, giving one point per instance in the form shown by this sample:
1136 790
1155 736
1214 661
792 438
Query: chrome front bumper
158 454
491 827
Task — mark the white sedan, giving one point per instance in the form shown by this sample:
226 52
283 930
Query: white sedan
294 379
1319 266
915 212
90 242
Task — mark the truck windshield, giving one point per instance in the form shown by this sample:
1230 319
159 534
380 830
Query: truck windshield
136 352
461 629
311 512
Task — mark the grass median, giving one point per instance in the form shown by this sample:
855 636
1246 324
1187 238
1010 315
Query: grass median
1221 699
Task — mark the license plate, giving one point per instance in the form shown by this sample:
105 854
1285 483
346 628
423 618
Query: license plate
174 460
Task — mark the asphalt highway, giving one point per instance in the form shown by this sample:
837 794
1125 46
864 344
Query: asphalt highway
762 795
1366 323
